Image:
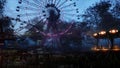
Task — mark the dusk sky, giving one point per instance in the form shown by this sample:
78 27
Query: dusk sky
10 9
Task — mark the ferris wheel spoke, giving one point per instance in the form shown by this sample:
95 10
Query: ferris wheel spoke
31 4
40 3
43 2
29 14
66 10
58 2
49 1
38 22
40 18
31 24
46 1
29 8
17 33
36 29
14 24
62 3
36 1
22 22
52 1
55 1
69 14
19 29
66 30
68 17
67 6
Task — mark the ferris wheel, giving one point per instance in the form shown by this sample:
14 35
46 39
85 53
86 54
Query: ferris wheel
63 10
51 12
66 10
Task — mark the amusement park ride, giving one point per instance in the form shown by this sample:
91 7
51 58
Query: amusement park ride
52 13
110 35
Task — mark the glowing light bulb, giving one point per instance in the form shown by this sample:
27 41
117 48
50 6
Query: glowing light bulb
102 32
113 31
95 34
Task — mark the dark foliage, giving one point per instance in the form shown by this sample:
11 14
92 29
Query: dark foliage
100 16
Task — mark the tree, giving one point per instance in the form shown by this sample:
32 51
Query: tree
116 12
116 9
105 15
6 31
2 3
100 15
5 21
91 17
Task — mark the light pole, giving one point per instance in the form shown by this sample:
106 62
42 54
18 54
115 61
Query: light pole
96 36
102 34
112 35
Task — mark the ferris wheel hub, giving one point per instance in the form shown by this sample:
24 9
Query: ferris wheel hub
52 11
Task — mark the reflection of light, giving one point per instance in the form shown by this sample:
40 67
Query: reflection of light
102 32
116 48
99 49
113 31
104 49
95 34
95 48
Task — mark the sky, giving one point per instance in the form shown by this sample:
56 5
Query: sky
10 9
82 5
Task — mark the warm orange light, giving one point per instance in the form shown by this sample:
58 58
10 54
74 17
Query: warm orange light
102 32
104 49
95 48
95 34
116 48
113 31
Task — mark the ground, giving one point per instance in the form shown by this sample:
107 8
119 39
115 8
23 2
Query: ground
84 60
